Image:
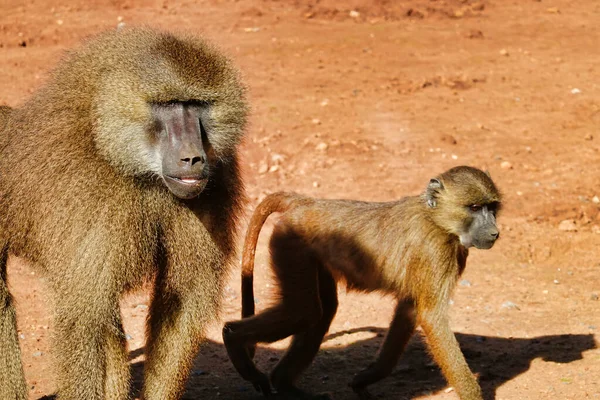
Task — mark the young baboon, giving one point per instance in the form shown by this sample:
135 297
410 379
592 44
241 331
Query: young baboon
122 169
414 248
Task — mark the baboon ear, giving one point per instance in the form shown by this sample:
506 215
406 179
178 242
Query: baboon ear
487 173
433 190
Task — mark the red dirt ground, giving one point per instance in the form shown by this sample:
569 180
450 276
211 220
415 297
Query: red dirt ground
369 105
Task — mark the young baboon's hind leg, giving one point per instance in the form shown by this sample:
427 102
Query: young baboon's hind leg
300 306
305 345
401 329
12 379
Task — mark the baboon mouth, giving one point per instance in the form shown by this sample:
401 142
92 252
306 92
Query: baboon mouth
188 180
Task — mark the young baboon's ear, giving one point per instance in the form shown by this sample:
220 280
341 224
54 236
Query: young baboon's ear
487 173
433 189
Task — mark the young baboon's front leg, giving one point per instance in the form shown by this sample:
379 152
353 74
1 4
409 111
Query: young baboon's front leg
446 352
305 345
400 331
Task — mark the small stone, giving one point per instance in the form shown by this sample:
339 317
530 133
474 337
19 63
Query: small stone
568 225
316 184
454 157
596 200
354 14
316 121
594 297
589 136
37 354
553 10
505 165
449 390
274 168
59 21
263 167
556 282
504 52
464 282
575 91
322 146
510 305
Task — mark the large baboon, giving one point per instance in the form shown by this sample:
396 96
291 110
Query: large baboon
123 169
414 249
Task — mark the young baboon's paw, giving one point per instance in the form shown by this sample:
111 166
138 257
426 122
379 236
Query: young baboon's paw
261 384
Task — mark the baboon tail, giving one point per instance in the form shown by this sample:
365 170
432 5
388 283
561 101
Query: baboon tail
275 202
12 379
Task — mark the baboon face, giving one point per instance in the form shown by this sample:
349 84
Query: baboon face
181 147
482 231
465 201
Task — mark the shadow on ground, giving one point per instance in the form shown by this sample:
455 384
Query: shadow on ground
496 360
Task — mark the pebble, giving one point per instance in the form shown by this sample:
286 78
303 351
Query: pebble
594 297
464 282
504 52
263 167
575 91
595 200
322 146
510 305
568 225
37 354
505 165
354 14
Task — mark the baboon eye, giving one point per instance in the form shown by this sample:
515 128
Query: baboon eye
474 207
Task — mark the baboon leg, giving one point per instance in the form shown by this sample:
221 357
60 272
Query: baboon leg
84 340
305 345
447 354
401 329
117 384
300 307
12 379
180 310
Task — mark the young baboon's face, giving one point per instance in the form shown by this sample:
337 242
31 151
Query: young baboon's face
465 201
481 230
181 146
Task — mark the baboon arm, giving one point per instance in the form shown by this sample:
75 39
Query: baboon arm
12 379
401 329
446 352
182 307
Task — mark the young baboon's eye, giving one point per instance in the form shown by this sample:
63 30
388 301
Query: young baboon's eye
474 207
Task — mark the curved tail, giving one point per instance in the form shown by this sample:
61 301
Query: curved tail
276 202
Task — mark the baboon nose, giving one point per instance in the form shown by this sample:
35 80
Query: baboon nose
191 161
495 235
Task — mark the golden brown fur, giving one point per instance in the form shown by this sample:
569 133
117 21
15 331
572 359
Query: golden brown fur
81 197
414 249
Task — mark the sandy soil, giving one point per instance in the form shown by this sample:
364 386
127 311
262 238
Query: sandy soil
369 100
